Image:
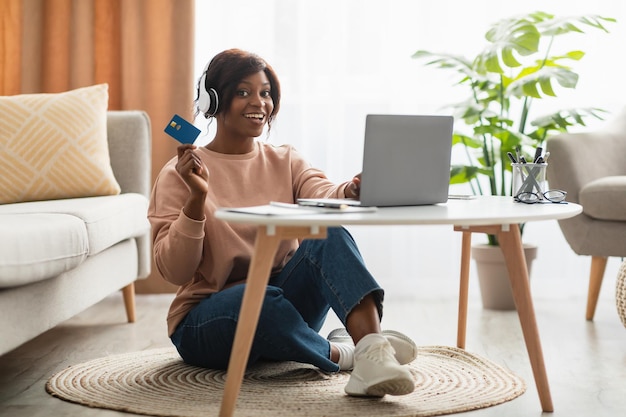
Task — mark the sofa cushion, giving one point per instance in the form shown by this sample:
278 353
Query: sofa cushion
605 198
55 146
107 219
38 246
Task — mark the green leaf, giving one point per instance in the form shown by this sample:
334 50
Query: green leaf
546 86
562 120
505 37
569 24
465 141
530 89
553 61
542 78
460 174
509 140
490 129
472 112
573 55
456 63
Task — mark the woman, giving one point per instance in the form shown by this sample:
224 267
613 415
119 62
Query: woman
209 258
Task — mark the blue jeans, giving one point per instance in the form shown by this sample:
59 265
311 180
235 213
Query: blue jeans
322 274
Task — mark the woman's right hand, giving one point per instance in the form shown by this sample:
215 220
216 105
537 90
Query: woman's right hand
196 175
192 170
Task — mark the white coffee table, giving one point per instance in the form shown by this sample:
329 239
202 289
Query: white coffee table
499 216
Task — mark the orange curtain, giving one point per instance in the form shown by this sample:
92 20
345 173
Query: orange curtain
142 48
10 41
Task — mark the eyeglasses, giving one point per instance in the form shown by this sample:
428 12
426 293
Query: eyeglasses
552 196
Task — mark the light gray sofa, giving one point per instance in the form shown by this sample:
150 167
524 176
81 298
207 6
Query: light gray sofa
59 257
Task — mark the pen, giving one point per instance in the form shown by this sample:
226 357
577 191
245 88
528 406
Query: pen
511 157
538 153
545 157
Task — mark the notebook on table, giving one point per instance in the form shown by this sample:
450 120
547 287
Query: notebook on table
406 161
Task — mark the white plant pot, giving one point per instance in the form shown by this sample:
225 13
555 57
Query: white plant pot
493 275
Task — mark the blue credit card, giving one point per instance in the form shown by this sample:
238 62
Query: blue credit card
181 130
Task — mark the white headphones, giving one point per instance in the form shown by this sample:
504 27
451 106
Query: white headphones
208 101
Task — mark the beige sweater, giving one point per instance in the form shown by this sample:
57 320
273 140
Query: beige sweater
203 257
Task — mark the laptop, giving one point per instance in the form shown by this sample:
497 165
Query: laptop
406 161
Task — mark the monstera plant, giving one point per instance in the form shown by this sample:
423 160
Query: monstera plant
516 67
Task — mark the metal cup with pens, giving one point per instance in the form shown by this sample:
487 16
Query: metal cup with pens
529 179
529 183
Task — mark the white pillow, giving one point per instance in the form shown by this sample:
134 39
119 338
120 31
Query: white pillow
54 146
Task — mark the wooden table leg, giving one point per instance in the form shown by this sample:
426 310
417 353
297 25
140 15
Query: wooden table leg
258 276
265 248
509 238
511 244
466 248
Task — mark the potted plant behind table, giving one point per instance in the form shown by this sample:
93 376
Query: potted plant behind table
518 65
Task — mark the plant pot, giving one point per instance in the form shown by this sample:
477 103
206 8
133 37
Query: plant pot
493 276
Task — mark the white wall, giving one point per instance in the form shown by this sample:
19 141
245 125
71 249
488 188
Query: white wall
340 60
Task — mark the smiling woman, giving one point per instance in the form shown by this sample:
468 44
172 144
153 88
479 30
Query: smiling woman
241 91
209 258
216 84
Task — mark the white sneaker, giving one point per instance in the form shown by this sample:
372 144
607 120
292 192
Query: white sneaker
405 349
376 371
340 335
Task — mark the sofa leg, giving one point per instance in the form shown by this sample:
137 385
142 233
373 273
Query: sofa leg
129 301
598 265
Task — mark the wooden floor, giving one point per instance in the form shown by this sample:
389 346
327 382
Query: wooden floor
586 362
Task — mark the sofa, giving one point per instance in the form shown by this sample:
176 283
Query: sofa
61 256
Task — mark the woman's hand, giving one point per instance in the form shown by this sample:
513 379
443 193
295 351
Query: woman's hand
353 189
192 170
196 175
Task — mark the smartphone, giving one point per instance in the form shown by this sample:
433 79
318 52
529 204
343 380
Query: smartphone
181 130
328 202
461 197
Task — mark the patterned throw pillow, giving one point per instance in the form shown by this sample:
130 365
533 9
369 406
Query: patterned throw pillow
54 146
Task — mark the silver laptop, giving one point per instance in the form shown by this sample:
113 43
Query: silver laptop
406 160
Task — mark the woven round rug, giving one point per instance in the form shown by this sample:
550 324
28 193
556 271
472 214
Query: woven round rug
157 382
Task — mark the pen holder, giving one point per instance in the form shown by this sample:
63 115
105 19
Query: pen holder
530 178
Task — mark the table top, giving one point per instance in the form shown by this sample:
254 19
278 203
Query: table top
480 211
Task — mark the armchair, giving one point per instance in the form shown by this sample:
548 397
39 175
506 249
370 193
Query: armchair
591 167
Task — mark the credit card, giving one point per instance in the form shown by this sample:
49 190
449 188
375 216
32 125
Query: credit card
181 130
